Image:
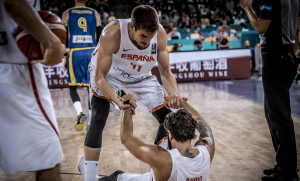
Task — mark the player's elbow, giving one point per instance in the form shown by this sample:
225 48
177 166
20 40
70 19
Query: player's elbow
99 79
124 139
262 29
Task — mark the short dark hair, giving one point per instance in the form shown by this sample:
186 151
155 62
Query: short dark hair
181 125
145 17
197 42
81 1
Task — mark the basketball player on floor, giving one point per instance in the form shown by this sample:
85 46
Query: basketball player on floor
28 133
123 59
81 23
179 161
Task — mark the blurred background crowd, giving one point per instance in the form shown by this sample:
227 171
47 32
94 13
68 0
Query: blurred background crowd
191 25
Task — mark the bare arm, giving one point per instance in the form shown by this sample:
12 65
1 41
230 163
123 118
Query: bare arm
109 44
25 16
98 20
206 136
260 25
157 157
167 78
65 19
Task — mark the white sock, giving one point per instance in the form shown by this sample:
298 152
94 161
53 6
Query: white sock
90 117
91 170
78 107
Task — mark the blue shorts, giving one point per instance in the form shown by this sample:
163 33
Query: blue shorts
77 64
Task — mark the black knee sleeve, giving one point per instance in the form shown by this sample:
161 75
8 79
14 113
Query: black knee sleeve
161 133
100 111
89 102
74 94
160 115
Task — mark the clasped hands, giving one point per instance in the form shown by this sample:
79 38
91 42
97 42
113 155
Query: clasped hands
171 101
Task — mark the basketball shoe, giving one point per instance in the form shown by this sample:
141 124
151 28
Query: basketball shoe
81 118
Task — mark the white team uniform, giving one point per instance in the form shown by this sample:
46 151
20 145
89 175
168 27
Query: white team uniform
131 71
28 133
183 169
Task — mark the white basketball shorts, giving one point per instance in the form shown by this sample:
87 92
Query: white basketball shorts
147 91
29 138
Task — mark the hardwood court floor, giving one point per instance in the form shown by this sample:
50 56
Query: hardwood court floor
243 142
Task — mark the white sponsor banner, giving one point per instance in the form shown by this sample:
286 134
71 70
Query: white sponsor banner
82 39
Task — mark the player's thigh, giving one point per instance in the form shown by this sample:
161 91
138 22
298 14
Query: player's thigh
148 92
28 131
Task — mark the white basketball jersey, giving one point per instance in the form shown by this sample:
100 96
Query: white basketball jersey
9 49
130 63
190 169
184 169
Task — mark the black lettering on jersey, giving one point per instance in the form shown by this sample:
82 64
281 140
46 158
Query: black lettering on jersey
3 38
153 50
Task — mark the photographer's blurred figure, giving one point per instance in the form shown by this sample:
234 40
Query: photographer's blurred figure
198 46
174 34
176 47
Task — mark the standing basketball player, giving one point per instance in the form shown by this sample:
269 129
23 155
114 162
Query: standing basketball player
181 161
123 59
277 23
28 133
82 24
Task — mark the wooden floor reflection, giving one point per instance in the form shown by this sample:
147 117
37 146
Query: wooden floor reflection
243 142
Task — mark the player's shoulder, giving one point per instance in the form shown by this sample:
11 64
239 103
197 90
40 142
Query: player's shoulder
161 31
111 36
66 12
112 30
162 38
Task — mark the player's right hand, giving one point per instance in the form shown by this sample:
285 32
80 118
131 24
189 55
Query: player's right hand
168 100
53 51
132 101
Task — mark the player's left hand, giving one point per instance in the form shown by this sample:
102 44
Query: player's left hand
172 101
132 101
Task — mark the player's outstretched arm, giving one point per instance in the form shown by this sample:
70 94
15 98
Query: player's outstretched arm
109 44
167 78
206 137
25 16
157 157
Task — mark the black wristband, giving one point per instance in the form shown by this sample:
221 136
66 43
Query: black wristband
126 102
